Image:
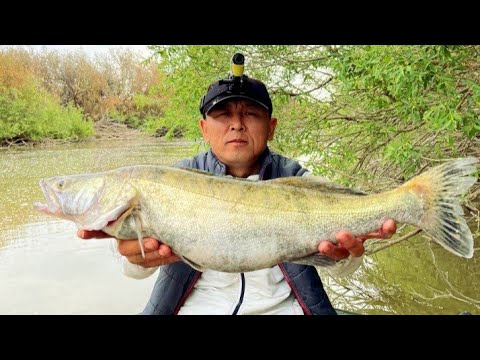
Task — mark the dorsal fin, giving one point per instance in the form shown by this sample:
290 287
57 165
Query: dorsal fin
206 173
308 182
197 171
316 183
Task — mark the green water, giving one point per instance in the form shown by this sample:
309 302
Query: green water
46 269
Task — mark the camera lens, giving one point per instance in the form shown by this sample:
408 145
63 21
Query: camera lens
238 59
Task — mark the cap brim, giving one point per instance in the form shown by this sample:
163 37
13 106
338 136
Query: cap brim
228 97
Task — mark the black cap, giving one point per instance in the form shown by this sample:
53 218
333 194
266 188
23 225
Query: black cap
236 87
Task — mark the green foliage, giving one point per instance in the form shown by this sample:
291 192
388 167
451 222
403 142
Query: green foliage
115 84
360 115
131 120
367 116
188 71
32 114
421 97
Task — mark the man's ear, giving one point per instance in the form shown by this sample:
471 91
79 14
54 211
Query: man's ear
273 125
203 127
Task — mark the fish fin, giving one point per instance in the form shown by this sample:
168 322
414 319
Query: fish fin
102 220
441 188
316 183
197 171
316 259
135 222
202 172
192 264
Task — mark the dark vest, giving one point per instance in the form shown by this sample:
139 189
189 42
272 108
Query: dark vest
176 281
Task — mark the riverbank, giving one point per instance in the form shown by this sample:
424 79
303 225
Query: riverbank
107 129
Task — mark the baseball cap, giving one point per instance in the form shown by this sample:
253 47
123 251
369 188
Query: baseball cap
236 87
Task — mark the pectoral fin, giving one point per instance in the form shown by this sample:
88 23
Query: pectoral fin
192 264
135 222
316 259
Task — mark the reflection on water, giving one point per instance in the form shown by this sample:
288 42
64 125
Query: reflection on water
46 269
413 277
50 271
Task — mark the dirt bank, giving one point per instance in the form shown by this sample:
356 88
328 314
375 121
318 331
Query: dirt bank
108 129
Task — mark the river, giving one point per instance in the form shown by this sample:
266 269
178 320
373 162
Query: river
46 269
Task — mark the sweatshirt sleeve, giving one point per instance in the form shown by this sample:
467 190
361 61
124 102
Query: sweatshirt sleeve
136 271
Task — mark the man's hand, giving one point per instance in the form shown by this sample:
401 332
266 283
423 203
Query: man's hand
349 245
156 253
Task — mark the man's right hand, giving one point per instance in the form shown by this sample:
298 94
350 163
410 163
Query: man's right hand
156 253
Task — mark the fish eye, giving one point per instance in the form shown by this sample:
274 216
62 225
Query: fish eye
60 184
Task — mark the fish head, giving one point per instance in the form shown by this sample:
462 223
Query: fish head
89 200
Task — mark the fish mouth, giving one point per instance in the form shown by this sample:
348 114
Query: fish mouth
51 207
83 211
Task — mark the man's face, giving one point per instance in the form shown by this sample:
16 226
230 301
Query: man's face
238 132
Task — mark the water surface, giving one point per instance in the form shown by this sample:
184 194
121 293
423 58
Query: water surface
46 269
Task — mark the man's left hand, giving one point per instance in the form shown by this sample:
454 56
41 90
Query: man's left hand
348 245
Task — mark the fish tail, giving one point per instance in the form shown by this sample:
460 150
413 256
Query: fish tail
440 190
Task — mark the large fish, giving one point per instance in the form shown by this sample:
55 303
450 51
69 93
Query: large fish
235 225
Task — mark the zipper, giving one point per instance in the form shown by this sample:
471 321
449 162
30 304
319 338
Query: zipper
189 290
304 306
242 293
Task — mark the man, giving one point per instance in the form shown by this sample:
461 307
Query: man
237 123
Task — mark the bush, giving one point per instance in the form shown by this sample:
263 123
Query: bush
32 114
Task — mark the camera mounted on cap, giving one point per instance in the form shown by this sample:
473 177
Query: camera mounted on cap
236 85
236 79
